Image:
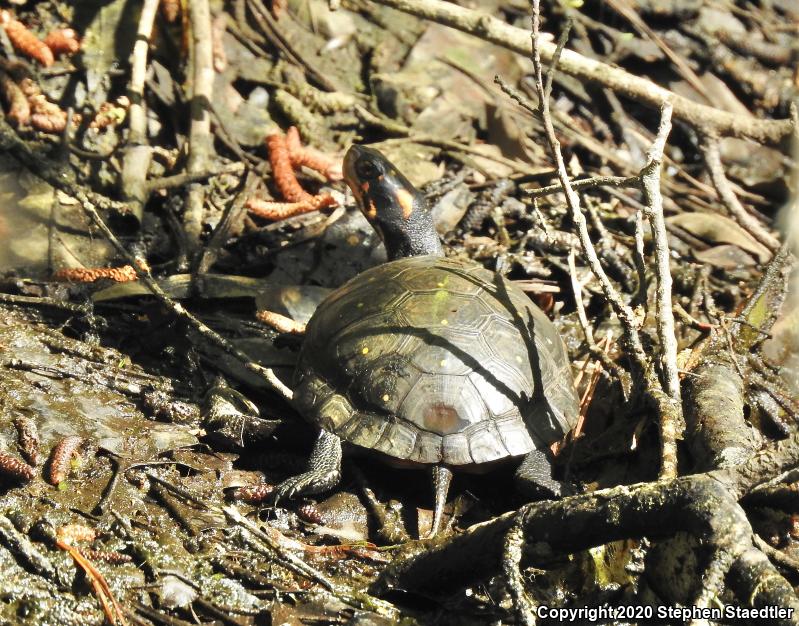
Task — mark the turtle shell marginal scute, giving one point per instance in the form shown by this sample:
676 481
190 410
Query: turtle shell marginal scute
436 360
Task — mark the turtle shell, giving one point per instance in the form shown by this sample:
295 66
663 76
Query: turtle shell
435 360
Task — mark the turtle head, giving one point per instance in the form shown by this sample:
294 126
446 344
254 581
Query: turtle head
394 207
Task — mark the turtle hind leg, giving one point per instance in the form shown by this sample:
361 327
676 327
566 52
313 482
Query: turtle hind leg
441 479
323 472
534 480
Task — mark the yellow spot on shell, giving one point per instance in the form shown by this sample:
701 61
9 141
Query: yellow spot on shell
292 295
359 305
365 350
443 362
439 285
518 359
386 397
444 322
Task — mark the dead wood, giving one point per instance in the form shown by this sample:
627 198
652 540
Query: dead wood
705 505
699 116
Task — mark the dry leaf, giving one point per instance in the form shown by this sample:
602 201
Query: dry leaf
719 229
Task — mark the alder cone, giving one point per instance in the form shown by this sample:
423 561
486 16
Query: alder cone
24 41
14 468
63 41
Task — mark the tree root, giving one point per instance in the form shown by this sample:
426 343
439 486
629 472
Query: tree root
704 505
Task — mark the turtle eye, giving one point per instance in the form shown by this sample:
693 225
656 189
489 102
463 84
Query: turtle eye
366 169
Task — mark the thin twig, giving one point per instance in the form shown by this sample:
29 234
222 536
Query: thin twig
640 261
113 611
586 183
578 301
184 178
712 153
564 36
650 184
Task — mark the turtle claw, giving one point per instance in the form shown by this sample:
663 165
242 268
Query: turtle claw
288 489
304 484
324 471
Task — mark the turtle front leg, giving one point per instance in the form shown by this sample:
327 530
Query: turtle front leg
323 473
534 479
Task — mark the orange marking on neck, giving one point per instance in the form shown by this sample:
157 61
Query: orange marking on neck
371 212
405 200
365 187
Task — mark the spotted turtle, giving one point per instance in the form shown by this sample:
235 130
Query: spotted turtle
427 360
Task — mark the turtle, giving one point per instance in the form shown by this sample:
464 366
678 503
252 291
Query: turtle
429 361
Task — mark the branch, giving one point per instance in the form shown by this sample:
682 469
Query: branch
136 162
703 118
671 422
200 143
650 184
587 183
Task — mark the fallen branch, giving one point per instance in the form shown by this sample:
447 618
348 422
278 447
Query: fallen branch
587 183
701 117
